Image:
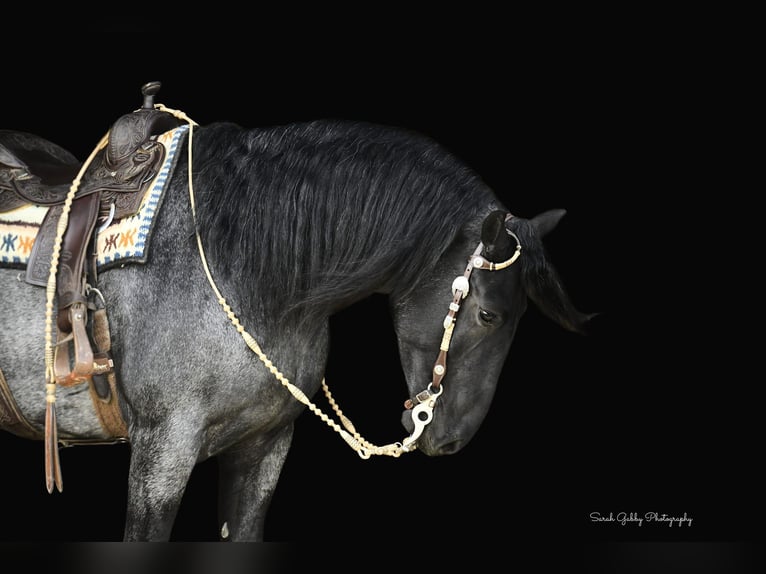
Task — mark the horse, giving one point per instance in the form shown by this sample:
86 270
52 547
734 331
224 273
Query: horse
220 337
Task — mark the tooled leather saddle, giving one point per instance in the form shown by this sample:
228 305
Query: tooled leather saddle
36 171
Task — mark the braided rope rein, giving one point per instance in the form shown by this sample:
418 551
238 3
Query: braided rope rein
363 447
52 464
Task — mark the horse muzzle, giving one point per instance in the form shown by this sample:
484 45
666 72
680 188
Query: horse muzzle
430 441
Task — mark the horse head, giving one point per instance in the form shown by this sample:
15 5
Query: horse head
507 269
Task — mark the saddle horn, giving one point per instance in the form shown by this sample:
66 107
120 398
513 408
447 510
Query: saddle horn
149 90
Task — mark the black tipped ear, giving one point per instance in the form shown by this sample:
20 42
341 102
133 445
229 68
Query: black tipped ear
493 226
547 221
494 237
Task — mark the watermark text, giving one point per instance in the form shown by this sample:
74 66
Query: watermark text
647 518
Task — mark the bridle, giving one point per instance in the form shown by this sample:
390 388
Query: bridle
422 405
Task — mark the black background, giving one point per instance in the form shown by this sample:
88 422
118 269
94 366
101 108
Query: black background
651 412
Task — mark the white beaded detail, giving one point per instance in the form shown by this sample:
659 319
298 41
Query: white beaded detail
447 322
439 369
454 307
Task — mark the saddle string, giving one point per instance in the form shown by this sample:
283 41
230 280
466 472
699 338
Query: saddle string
358 443
52 462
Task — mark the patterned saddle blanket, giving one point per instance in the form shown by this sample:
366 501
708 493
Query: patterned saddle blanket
119 241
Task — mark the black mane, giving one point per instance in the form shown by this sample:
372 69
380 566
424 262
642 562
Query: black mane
317 215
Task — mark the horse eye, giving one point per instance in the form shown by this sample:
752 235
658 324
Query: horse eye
486 316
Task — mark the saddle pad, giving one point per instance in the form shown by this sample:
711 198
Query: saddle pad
123 241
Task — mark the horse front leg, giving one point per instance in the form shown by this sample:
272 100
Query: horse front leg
161 463
248 475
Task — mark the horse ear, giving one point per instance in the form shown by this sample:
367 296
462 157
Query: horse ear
494 237
541 280
547 221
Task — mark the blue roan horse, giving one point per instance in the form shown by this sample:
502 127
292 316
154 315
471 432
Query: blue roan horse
296 223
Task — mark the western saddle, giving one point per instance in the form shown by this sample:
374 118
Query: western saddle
37 172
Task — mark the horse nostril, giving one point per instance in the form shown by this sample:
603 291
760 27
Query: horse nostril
451 447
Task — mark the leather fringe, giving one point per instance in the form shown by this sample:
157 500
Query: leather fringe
52 463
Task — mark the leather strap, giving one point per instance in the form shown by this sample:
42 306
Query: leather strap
72 304
69 279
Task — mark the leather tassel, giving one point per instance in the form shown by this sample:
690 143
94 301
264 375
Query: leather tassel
52 464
